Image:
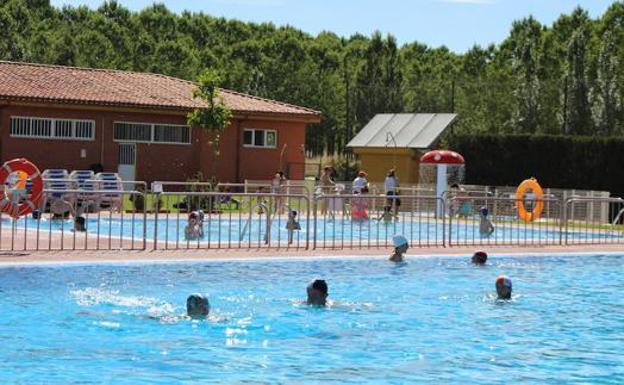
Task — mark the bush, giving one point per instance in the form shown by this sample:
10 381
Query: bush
571 162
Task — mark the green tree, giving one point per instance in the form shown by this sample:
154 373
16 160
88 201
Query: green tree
216 116
606 99
578 119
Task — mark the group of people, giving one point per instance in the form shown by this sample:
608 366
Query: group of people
317 291
360 188
62 209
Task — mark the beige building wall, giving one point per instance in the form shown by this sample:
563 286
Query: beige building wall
377 161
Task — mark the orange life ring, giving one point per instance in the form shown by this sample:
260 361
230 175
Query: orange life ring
529 184
26 171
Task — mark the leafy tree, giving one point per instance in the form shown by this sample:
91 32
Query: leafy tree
606 99
216 117
576 98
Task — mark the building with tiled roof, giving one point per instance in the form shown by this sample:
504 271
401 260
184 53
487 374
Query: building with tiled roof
135 123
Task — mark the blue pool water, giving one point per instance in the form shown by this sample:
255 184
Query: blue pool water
431 320
226 229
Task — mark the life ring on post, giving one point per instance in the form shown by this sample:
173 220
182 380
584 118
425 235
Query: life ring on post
28 186
538 206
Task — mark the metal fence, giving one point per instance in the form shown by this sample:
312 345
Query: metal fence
465 225
368 221
136 220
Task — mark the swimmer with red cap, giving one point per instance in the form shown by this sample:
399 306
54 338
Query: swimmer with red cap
503 287
479 257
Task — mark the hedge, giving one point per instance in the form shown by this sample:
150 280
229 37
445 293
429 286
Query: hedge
571 162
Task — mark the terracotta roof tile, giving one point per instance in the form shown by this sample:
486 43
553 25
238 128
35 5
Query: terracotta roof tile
72 85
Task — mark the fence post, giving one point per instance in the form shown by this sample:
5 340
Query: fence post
450 227
155 200
444 224
314 209
307 200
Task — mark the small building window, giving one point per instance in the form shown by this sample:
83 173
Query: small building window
151 133
49 128
259 138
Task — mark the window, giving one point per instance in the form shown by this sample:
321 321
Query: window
260 138
49 128
151 133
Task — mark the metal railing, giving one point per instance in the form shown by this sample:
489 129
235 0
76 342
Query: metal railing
370 221
467 226
258 221
136 220
56 225
583 226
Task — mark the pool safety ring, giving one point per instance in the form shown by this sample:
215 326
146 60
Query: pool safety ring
28 187
529 186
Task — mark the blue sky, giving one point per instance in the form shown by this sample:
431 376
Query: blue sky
458 24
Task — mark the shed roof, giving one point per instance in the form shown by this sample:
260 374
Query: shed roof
104 87
402 130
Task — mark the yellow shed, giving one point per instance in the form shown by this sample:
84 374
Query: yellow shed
398 141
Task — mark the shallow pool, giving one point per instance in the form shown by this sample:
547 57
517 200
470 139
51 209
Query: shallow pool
431 320
232 230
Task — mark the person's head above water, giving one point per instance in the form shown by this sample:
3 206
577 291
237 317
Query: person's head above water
484 211
400 243
317 292
197 306
479 257
503 287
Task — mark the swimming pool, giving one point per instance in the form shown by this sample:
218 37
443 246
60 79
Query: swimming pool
431 320
233 230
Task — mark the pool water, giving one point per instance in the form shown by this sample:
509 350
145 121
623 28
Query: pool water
430 320
234 230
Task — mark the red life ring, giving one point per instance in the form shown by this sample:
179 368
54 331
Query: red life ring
18 208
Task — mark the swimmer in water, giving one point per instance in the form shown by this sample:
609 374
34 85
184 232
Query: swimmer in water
197 306
479 257
503 287
400 247
317 293
486 228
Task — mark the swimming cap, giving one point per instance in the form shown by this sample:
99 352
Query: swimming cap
484 211
479 256
318 284
399 240
193 214
506 281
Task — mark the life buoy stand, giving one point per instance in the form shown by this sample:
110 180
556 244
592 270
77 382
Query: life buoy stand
29 185
538 206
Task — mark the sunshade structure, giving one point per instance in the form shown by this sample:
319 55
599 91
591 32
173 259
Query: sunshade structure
398 141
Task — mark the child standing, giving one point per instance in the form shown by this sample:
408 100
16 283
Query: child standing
292 225
486 228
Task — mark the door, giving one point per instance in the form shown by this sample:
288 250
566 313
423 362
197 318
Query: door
127 163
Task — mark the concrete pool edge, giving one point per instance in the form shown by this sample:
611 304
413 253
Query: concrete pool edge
122 256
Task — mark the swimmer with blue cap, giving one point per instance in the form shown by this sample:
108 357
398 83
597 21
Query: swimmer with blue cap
503 287
197 306
400 247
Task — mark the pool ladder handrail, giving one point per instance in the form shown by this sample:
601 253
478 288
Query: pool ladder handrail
264 208
267 233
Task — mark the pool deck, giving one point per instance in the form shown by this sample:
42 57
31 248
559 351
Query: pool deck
47 257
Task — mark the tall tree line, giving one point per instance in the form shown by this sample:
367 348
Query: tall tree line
567 78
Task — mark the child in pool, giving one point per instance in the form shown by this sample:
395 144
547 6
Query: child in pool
359 207
292 225
194 229
386 216
486 228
